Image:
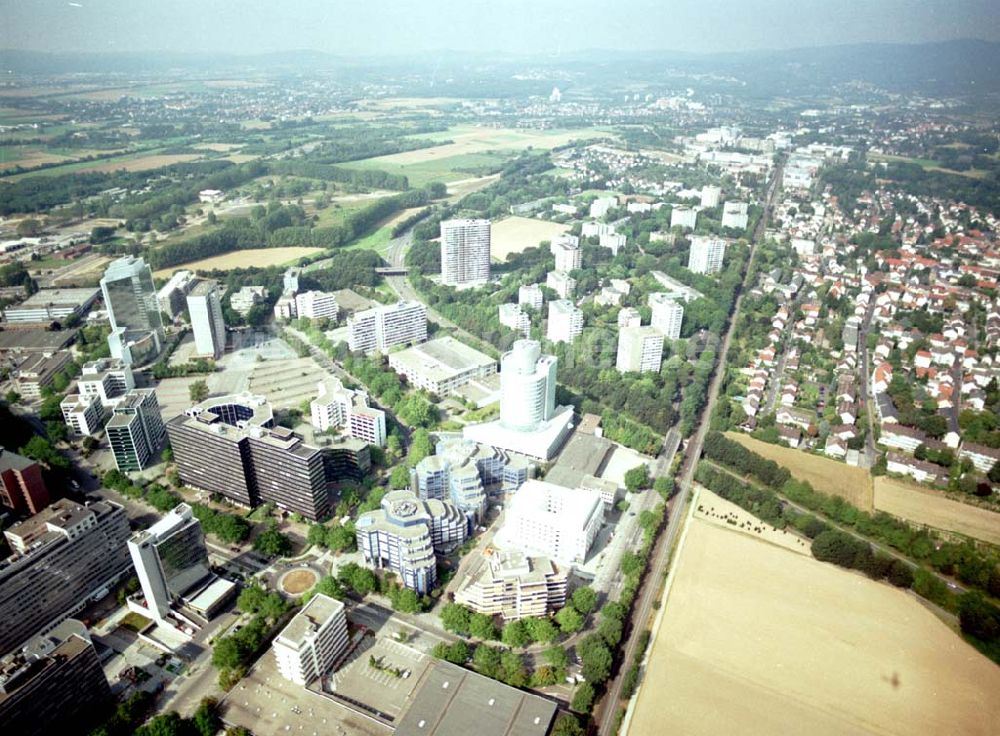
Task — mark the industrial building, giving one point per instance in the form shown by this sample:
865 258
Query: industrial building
51 305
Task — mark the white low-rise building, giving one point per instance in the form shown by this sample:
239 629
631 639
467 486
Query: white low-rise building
441 366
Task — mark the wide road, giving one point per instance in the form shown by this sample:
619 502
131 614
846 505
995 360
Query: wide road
607 711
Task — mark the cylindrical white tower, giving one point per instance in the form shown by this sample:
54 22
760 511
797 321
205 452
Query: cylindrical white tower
526 398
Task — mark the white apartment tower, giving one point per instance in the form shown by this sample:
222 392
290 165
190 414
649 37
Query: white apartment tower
640 350
561 282
568 255
465 252
527 387
313 641
565 321
205 307
667 314
382 327
316 305
706 254
530 296
337 406
710 196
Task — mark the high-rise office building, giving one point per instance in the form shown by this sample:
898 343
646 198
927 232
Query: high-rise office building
84 415
57 685
106 378
552 521
640 349
404 534
64 556
130 298
668 314
312 642
22 488
231 445
204 304
170 558
383 327
135 431
683 216
511 316
459 472
706 254
465 252
565 321
527 386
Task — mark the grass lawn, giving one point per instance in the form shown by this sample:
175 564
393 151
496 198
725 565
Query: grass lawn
135 621
449 168
377 241
922 162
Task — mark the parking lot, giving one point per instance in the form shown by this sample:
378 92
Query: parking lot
379 687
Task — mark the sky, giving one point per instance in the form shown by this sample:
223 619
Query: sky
402 27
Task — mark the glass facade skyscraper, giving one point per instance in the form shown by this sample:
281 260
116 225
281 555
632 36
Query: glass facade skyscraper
130 298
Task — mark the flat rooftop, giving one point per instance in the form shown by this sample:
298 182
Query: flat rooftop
35 340
441 359
452 701
59 297
314 614
584 454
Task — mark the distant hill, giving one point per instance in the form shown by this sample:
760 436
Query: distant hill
952 67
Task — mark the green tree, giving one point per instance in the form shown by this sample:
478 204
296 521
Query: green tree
583 698
637 478
596 658
228 653
541 629
420 447
584 599
272 543
481 626
206 718
399 478
198 391
167 724
341 538
515 635
317 535
455 618
569 619
557 657
567 725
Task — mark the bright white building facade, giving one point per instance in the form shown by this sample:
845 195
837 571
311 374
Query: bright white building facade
465 252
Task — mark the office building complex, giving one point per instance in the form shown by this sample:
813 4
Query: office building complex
552 521
565 321
51 305
459 472
404 534
56 686
561 283
734 215
247 298
465 252
706 254
668 314
107 379
205 307
170 558
130 298
84 415
336 406
441 366
231 445
63 556
530 296
37 372
135 431
22 488
512 585
381 328
640 349
316 305
312 642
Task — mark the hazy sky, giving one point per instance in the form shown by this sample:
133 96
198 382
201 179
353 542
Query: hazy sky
370 27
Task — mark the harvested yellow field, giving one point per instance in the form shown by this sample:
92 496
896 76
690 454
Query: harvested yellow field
756 640
259 257
515 234
142 163
218 147
719 511
458 189
934 509
30 159
825 475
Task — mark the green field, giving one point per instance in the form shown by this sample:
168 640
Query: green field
923 162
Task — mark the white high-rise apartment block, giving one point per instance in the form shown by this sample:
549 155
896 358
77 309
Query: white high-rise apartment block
682 216
706 254
382 327
284 308
530 296
668 314
734 214
83 414
629 317
170 558
710 196
592 229
107 379
205 307
600 206
313 641
613 242
465 252
316 305
511 316
337 406
290 280
553 521
640 349
561 283
565 321
527 386
568 255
